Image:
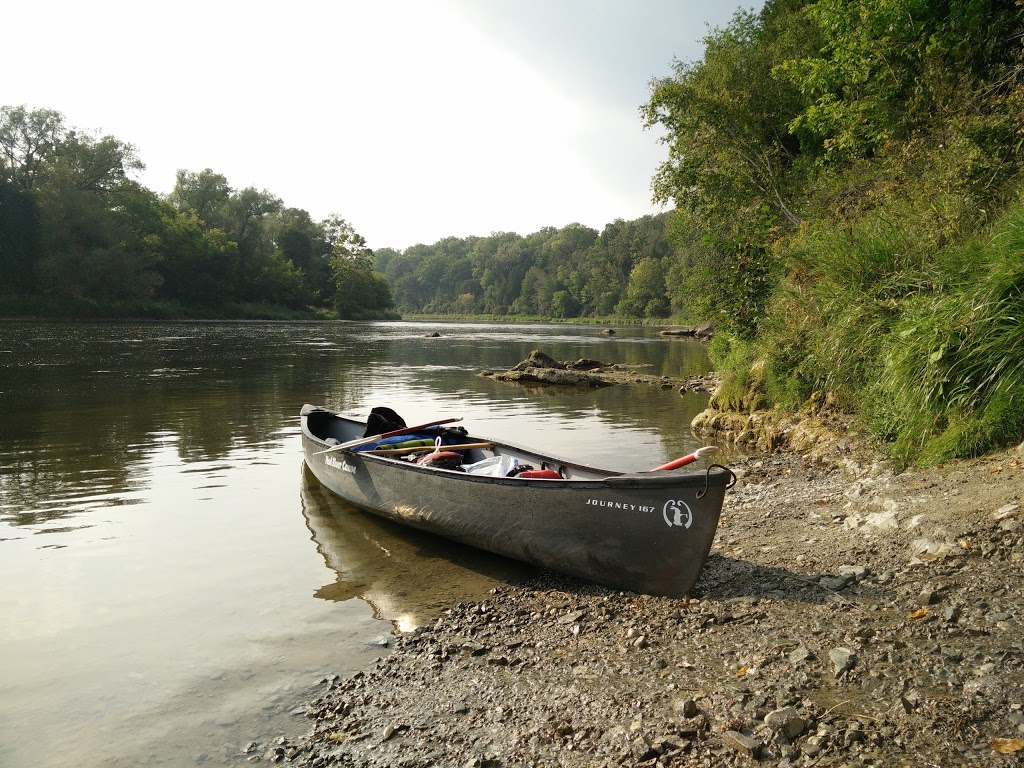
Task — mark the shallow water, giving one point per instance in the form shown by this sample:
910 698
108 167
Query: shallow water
175 583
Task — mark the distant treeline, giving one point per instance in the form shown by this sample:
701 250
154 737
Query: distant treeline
627 270
77 232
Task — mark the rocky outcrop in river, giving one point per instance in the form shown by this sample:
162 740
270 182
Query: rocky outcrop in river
541 368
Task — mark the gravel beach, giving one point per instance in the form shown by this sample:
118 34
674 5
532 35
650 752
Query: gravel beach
846 617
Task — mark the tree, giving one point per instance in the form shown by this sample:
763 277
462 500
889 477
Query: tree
888 67
727 117
95 165
205 193
360 293
29 140
20 239
735 167
645 292
199 262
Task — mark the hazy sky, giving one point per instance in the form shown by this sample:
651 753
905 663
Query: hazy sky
412 120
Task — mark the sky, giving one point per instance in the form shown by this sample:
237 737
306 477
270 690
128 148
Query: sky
414 121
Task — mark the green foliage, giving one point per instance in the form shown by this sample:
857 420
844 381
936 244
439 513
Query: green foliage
362 293
888 67
199 263
556 273
734 165
853 263
76 229
952 380
20 237
736 358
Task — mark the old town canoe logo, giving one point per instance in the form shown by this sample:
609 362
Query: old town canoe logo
344 466
677 513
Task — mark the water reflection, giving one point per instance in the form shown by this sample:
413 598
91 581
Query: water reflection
87 402
407 576
154 531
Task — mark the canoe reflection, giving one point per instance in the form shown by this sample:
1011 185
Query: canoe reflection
407 576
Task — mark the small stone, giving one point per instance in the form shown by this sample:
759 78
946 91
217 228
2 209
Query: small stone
799 654
745 745
855 572
686 707
1005 511
842 659
569 618
810 749
834 583
787 721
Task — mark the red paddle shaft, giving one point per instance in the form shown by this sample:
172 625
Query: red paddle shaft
689 459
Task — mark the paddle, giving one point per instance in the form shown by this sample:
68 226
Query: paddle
414 449
688 459
395 433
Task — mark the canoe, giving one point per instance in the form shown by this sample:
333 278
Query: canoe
647 532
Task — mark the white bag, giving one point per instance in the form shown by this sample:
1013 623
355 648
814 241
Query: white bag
495 466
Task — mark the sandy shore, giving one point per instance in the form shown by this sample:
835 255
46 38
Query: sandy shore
841 621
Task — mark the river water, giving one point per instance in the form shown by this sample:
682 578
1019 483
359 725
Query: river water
174 584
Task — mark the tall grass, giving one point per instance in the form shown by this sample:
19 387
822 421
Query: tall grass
904 320
952 382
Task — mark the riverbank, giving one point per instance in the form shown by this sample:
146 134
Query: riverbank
846 617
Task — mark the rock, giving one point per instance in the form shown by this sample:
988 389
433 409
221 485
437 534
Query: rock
538 359
745 745
834 583
1005 511
854 572
800 654
584 364
571 618
541 368
686 707
843 660
787 721
701 332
